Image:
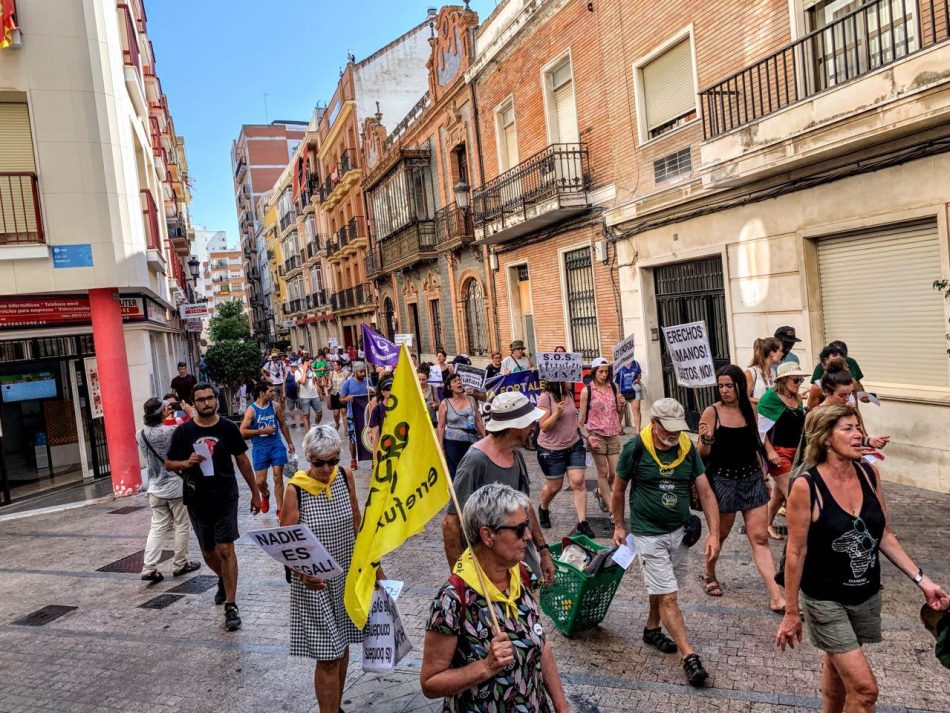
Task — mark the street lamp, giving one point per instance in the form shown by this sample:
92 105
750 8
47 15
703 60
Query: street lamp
461 195
194 265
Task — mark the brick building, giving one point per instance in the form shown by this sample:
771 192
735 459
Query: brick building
547 168
431 281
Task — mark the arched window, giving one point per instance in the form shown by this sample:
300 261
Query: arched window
476 332
389 319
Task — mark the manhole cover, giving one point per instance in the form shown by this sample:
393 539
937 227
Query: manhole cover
196 585
133 563
161 601
44 616
127 509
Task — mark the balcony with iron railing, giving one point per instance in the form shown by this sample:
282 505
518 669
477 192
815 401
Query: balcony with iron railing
21 220
414 243
454 227
318 300
548 188
291 263
297 305
288 219
153 237
340 178
360 297
131 59
178 234
348 238
878 71
315 248
314 188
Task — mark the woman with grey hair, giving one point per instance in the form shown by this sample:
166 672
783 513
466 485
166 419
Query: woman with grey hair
323 498
463 660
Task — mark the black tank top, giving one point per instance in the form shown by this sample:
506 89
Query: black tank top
842 563
787 431
735 451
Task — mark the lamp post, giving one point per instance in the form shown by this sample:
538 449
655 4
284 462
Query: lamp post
194 266
462 196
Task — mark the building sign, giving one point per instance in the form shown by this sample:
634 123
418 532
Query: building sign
194 325
66 256
93 387
133 308
16 313
195 311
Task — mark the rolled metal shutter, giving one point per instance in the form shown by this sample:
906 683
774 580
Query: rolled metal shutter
18 221
16 140
877 297
668 89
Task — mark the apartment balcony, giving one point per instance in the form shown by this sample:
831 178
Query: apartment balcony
239 169
292 264
348 239
296 306
287 220
315 249
548 188
21 220
359 299
318 300
344 176
874 76
178 235
413 244
454 228
131 59
314 188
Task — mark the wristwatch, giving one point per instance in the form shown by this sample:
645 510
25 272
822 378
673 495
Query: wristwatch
919 576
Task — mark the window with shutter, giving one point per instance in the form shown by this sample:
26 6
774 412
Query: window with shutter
668 91
508 141
877 298
565 115
18 210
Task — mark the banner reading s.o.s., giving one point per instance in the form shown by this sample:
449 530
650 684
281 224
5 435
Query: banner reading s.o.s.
692 359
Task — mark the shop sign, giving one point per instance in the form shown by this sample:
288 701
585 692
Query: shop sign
195 311
57 311
194 325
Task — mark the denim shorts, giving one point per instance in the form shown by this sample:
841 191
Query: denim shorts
554 464
308 405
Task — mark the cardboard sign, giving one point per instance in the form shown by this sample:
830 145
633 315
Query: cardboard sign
295 546
333 343
384 638
692 358
471 376
435 374
560 366
404 338
623 353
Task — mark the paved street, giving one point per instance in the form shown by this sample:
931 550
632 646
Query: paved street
112 654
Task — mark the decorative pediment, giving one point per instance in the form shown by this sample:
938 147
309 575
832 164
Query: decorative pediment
374 134
409 290
451 47
432 282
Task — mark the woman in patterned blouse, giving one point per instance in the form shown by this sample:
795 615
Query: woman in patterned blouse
462 661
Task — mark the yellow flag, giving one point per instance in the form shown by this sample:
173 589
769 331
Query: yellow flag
409 486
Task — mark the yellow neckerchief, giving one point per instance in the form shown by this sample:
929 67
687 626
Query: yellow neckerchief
646 435
465 568
312 485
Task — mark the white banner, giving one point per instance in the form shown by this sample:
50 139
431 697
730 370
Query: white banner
295 546
560 366
195 311
384 638
333 343
623 353
689 350
407 338
471 376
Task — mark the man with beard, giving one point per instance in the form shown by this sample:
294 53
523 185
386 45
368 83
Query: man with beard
496 459
661 464
212 495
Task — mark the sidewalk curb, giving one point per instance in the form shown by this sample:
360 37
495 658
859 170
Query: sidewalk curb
55 508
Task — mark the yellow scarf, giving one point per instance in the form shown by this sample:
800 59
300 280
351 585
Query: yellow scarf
313 486
465 568
646 435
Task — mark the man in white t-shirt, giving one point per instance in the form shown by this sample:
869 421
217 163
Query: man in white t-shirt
307 393
275 371
517 360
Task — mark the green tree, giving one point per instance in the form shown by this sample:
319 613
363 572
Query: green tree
232 362
229 322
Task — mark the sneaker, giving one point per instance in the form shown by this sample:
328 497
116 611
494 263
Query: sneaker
154 577
695 673
660 641
544 517
584 529
186 568
219 596
232 621
265 502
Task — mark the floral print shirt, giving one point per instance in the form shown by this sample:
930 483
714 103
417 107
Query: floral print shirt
518 690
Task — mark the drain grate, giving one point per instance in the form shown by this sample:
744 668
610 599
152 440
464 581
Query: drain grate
601 527
133 563
161 601
196 585
127 509
44 616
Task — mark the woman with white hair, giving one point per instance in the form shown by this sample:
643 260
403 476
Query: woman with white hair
463 661
323 498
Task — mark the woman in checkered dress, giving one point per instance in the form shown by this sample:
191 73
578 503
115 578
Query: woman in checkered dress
323 499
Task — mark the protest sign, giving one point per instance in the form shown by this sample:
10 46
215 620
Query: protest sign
295 546
689 349
527 382
471 376
560 366
384 638
435 374
333 343
404 338
623 353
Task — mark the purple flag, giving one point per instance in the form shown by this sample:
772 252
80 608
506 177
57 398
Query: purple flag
378 349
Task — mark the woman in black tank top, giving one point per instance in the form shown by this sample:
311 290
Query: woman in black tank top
837 526
729 444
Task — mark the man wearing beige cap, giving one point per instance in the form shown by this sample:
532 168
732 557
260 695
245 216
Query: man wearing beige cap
660 464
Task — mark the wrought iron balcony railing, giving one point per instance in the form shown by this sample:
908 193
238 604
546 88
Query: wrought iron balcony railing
21 220
451 224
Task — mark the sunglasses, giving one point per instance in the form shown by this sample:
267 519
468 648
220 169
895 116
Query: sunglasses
796 379
321 463
518 529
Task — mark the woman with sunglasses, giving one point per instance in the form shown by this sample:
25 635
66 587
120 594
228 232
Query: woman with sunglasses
464 660
781 421
837 525
323 498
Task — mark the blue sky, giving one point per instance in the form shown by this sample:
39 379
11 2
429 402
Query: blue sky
216 60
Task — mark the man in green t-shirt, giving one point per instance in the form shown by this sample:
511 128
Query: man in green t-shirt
661 464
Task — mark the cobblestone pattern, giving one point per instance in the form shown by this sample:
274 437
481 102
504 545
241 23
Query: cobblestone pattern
110 655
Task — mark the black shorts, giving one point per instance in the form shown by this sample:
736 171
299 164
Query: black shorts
215 523
335 403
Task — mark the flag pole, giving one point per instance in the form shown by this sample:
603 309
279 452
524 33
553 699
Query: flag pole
455 501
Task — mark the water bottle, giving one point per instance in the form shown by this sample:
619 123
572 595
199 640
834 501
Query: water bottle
292 463
470 423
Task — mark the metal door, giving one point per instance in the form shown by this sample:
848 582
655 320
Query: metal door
689 292
95 428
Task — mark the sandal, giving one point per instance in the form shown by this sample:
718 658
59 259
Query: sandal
712 587
773 535
600 501
153 577
658 640
186 568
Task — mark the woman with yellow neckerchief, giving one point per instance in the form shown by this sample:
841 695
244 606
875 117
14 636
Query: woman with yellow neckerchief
323 498
660 465
462 660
